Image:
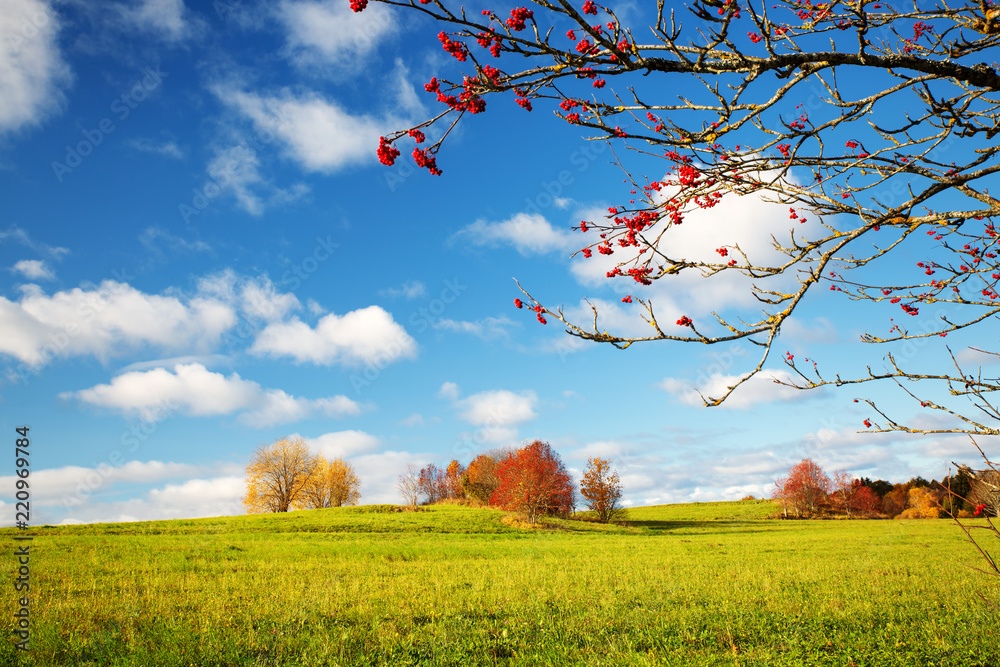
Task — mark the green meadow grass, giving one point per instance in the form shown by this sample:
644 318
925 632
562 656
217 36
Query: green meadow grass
696 584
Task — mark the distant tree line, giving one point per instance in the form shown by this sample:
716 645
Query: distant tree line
531 480
807 491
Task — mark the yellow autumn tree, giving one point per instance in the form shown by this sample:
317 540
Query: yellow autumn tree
277 475
333 484
922 505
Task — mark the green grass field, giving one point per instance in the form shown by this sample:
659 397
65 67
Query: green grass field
696 584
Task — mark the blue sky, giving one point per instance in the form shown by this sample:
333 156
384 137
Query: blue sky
200 253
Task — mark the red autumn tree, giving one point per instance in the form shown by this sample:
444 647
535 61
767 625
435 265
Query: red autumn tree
804 489
534 482
866 502
602 489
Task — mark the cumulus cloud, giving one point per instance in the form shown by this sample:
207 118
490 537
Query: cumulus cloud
318 133
33 269
530 234
488 328
759 389
191 499
195 391
17 235
33 74
416 419
498 408
449 390
71 485
325 34
236 170
165 148
409 290
256 298
156 239
344 444
367 335
168 19
105 320
114 318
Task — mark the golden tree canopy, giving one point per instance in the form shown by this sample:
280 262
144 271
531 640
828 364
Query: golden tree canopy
277 475
332 484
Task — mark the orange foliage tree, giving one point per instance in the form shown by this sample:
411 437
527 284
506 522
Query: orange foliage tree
602 489
534 482
453 480
923 505
332 484
480 479
277 475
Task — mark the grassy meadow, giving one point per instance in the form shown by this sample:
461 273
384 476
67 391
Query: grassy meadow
696 584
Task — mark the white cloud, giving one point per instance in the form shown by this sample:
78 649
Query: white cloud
325 34
194 498
166 149
166 18
379 472
72 485
155 237
449 390
32 71
198 392
487 328
344 444
498 408
33 269
256 298
416 419
748 221
759 389
15 233
317 133
236 169
106 320
410 290
367 335
530 234
974 358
